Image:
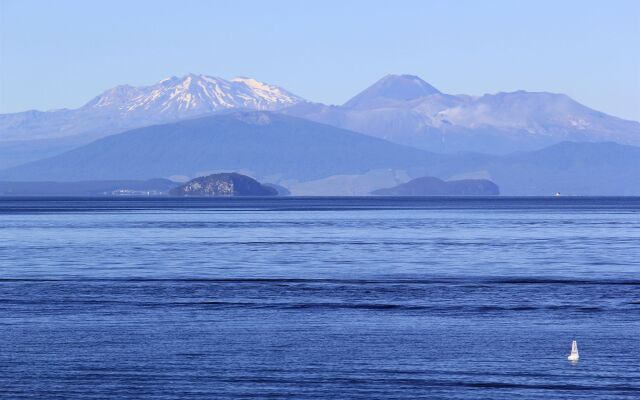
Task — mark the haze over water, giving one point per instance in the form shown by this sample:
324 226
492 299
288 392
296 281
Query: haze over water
319 298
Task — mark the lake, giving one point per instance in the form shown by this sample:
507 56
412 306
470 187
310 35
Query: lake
319 298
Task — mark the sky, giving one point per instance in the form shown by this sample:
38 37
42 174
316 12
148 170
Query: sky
56 54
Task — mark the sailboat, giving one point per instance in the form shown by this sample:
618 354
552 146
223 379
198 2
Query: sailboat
574 356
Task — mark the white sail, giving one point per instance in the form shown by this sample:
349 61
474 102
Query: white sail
574 356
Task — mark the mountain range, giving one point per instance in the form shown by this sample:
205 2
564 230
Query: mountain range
398 129
399 108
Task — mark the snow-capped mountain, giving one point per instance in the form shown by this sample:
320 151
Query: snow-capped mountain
193 94
407 110
124 107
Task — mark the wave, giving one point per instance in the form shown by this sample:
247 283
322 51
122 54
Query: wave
310 306
408 281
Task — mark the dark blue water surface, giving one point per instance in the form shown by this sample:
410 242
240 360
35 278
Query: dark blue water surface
360 298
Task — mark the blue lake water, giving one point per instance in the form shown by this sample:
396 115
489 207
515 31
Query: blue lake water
359 298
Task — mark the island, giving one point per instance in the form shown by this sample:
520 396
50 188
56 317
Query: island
430 186
224 184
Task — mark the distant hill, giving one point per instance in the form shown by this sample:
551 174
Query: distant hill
430 186
224 184
407 110
17 152
268 146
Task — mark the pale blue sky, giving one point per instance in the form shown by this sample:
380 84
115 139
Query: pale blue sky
62 53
